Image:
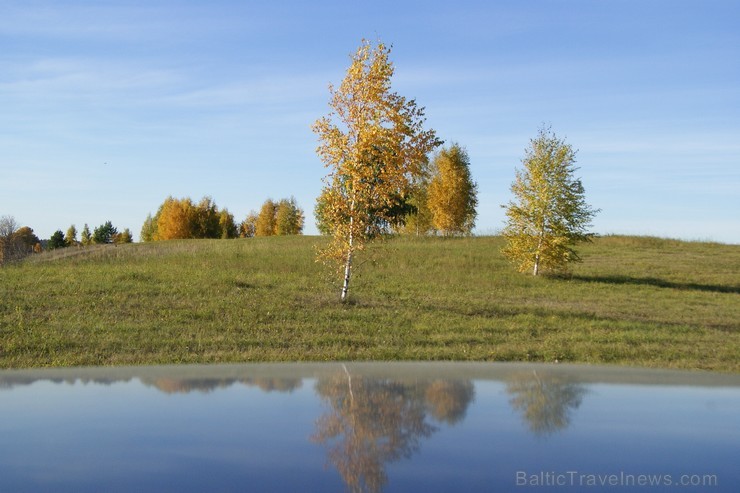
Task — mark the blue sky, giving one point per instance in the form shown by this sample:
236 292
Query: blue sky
108 107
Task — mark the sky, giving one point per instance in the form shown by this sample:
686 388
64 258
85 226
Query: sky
107 107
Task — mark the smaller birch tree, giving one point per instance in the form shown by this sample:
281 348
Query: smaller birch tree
549 214
265 225
149 229
71 237
175 220
288 218
226 224
248 227
419 221
8 227
86 236
452 195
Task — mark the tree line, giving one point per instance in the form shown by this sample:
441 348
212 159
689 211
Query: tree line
283 217
106 233
184 219
175 219
18 242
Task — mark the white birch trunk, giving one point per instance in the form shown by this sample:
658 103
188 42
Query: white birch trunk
537 256
348 263
347 272
349 384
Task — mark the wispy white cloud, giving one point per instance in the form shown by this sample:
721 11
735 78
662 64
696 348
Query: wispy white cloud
126 84
131 22
75 21
265 89
686 142
65 79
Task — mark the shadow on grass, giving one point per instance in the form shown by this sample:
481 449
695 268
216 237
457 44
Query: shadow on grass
565 315
653 281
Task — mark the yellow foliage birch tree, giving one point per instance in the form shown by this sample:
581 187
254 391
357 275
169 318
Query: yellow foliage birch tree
265 225
175 219
549 214
452 194
373 143
288 218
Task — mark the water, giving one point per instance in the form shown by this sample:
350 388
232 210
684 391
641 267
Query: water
368 427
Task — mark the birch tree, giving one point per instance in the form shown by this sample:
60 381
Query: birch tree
549 214
248 227
8 227
184 219
419 221
226 224
71 237
86 236
175 219
265 225
288 218
452 195
373 143
149 229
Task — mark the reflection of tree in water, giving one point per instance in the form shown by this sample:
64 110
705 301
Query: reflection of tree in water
372 421
546 401
205 385
183 386
9 383
448 400
172 385
274 384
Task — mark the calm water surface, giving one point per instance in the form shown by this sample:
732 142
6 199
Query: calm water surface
369 427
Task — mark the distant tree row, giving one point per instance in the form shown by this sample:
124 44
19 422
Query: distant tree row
274 219
18 242
184 219
106 233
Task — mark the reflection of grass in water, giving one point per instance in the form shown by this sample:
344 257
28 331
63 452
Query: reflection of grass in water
641 301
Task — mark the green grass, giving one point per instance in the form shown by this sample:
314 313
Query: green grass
633 301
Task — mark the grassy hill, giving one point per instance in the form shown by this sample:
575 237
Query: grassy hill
633 301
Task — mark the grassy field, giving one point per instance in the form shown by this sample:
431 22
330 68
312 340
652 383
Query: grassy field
633 301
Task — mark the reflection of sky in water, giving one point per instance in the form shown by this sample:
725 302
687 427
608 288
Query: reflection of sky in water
166 435
617 429
179 442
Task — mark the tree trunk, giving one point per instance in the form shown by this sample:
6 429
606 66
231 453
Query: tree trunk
349 384
347 273
537 255
348 262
